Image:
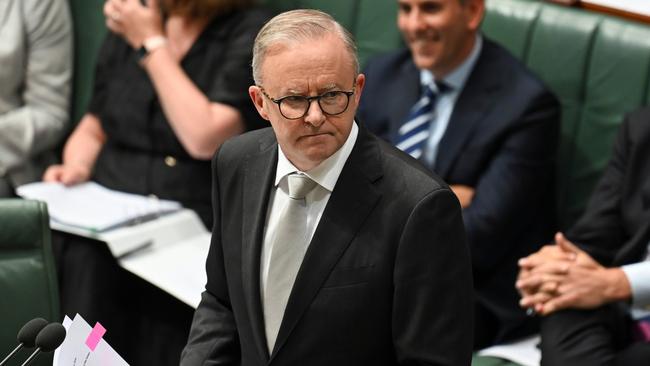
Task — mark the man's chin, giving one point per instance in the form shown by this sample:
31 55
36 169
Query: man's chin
424 63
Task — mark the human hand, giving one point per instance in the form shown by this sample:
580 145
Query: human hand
588 288
68 174
564 276
464 193
133 21
541 272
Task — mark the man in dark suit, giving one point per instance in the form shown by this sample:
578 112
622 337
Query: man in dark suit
595 293
492 135
376 271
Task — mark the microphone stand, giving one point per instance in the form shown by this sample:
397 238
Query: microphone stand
11 354
32 356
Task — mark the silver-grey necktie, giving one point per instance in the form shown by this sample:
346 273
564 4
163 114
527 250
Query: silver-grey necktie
287 252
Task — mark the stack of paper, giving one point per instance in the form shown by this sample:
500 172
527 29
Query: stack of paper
90 206
85 346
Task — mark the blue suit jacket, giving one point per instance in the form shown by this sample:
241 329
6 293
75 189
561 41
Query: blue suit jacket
501 140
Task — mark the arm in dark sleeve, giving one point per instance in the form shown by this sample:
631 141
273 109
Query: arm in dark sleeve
213 338
600 229
106 60
432 310
518 182
233 77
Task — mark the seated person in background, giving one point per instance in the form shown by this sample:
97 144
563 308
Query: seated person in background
171 85
478 118
594 295
330 247
35 76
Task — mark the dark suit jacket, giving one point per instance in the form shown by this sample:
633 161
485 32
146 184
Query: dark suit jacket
615 228
501 140
386 279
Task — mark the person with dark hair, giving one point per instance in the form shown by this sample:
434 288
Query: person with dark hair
170 87
476 116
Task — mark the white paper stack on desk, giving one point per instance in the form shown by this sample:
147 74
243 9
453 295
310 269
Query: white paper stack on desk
92 207
157 240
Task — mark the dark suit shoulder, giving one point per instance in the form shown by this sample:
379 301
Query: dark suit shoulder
407 176
388 61
498 61
247 143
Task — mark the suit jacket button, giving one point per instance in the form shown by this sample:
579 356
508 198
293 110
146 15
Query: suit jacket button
170 161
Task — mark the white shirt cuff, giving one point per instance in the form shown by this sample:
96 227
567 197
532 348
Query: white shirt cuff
639 276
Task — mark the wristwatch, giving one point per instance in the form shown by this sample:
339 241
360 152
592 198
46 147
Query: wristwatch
149 45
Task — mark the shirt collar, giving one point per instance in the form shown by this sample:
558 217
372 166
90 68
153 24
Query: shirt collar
457 78
328 171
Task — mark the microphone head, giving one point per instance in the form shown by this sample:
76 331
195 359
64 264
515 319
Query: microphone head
27 334
50 337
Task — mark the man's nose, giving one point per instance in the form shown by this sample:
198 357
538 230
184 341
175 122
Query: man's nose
315 115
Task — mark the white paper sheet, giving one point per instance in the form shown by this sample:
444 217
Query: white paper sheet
74 351
523 352
92 207
177 268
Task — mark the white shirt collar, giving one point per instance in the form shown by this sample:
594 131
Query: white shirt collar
457 78
327 173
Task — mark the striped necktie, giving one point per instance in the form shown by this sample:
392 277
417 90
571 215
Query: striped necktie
414 133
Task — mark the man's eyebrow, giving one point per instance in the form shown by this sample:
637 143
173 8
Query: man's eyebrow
292 91
330 86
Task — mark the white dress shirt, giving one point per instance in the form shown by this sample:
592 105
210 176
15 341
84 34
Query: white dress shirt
638 274
326 174
446 101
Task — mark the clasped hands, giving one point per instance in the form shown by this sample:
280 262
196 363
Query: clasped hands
562 276
134 21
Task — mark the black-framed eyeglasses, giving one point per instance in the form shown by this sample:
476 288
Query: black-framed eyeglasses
296 106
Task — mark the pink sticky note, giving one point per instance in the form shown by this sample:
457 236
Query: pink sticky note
95 336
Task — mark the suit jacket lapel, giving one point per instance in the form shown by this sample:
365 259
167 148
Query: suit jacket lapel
258 180
405 94
472 105
351 201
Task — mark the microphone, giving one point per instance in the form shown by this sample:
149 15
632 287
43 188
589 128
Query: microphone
27 336
47 340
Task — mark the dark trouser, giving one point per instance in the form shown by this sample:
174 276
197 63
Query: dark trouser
144 324
591 338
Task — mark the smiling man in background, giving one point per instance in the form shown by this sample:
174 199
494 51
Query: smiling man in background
472 113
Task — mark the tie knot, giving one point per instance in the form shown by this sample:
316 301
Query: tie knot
436 87
299 186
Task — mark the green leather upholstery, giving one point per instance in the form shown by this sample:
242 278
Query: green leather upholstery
490 361
27 274
372 22
596 64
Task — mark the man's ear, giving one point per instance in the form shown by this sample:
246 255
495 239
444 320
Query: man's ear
258 100
475 10
359 83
